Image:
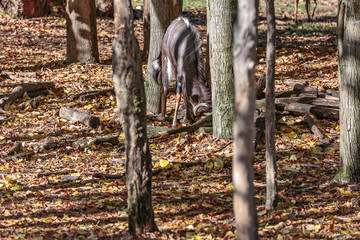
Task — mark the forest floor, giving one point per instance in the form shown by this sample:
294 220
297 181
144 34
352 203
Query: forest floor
54 192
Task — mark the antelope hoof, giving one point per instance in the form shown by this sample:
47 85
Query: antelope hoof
174 125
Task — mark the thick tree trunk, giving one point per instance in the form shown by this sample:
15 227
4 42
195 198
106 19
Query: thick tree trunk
131 102
81 33
222 77
244 63
349 79
158 25
271 187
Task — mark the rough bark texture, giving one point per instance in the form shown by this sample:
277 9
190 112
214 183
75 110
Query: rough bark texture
131 102
222 77
158 24
77 116
146 20
349 79
81 33
243 174
175 8
271 187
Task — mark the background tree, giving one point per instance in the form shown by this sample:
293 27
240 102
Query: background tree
244 63
131 103
158 24
349 81
271 188
81 31
222 14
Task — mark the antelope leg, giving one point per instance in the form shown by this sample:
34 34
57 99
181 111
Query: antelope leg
296 9
163 101
177 99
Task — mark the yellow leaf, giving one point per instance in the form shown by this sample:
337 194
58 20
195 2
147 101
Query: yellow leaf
48 220
163 163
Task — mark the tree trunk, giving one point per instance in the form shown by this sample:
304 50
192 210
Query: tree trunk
243 175
349 79
175 8
131 103
158 25
81 33
222 77
271 188
146 21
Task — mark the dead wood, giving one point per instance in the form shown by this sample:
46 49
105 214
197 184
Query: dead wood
77 116
33 103
159 118
15 149
19 91
292 82
19 156
55 173
205 122
313 127
282 102
108 176
92 94
318 111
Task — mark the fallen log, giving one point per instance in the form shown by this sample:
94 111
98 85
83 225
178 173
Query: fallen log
313 127
77 116
159 118
318 111
282 102
19 91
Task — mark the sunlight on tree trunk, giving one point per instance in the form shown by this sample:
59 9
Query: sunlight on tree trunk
271 188
243 174
349 85
220 22
81 33
160 20
130 96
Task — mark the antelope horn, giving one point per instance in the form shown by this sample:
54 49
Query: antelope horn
196 108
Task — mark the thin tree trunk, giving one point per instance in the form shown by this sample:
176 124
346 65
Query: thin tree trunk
222 77
158 25
244 63
146 20
271 188
81 33
130 96
349 79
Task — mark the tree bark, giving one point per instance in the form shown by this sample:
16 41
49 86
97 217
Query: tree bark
222 77
131 103
81 33
243 175
146 21
160 20
349 86
271 186
77 116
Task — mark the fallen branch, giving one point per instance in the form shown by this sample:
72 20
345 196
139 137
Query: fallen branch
92 94
313 127
55 173
77 116
19 156
19 91
205 122
159 118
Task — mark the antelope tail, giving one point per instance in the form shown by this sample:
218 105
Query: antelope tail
156 64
